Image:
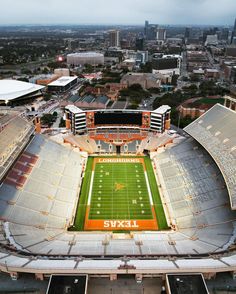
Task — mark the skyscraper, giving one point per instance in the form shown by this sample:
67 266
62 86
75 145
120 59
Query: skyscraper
233 32
139 43
161 34
146 28
150 31
187 33
114 38
224 34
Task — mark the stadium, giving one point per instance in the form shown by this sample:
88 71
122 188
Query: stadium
119 194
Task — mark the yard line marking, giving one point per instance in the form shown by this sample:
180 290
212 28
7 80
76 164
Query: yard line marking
90 188
112 191
148 187
127 198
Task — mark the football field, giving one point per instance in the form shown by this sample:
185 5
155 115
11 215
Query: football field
120 192
118 195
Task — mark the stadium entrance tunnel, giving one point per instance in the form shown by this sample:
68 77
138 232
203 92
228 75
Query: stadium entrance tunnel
118 150
126 276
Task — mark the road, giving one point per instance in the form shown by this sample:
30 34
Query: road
59 116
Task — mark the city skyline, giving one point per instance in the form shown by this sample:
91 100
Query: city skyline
179 12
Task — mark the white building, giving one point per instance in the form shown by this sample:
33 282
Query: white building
62 84
82 58
211 40
18 91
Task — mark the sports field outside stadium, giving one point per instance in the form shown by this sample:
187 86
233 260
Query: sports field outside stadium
119 194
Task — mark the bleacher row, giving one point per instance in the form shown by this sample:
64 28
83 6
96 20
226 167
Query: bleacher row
13 138
195 195
216 132
152 142
88 144
18 174
49 194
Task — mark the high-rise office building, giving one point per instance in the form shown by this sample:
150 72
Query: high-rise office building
146 28
114 38
150 31
187 33
233 35
161 34
139 43
224 34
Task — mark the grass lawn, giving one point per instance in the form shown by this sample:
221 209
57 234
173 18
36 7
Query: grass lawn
211 101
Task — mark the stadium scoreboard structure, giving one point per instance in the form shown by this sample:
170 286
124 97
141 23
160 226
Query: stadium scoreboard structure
79 121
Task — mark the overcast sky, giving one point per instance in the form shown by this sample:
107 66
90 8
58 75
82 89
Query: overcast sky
218 12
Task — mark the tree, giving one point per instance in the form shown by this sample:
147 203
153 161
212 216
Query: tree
47 96
135 93
154 90
88 68
194 78
47 119
191 90
146 68
174 80
56 64
26 71
62 123
135 87
45 70
23 80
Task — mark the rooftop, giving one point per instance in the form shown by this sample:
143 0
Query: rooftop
86 54
12 89
102 99
88 99
162 109
63 81
74 109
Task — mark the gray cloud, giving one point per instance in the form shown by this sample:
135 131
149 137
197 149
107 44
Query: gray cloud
119 12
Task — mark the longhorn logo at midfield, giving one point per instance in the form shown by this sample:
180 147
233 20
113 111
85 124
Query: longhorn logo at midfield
119 186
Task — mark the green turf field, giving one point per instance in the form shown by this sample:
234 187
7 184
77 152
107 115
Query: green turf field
119 192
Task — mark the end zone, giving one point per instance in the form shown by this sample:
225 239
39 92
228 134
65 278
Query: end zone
120 225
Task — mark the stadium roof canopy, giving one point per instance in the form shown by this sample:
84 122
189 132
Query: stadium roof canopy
215 130
12 89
